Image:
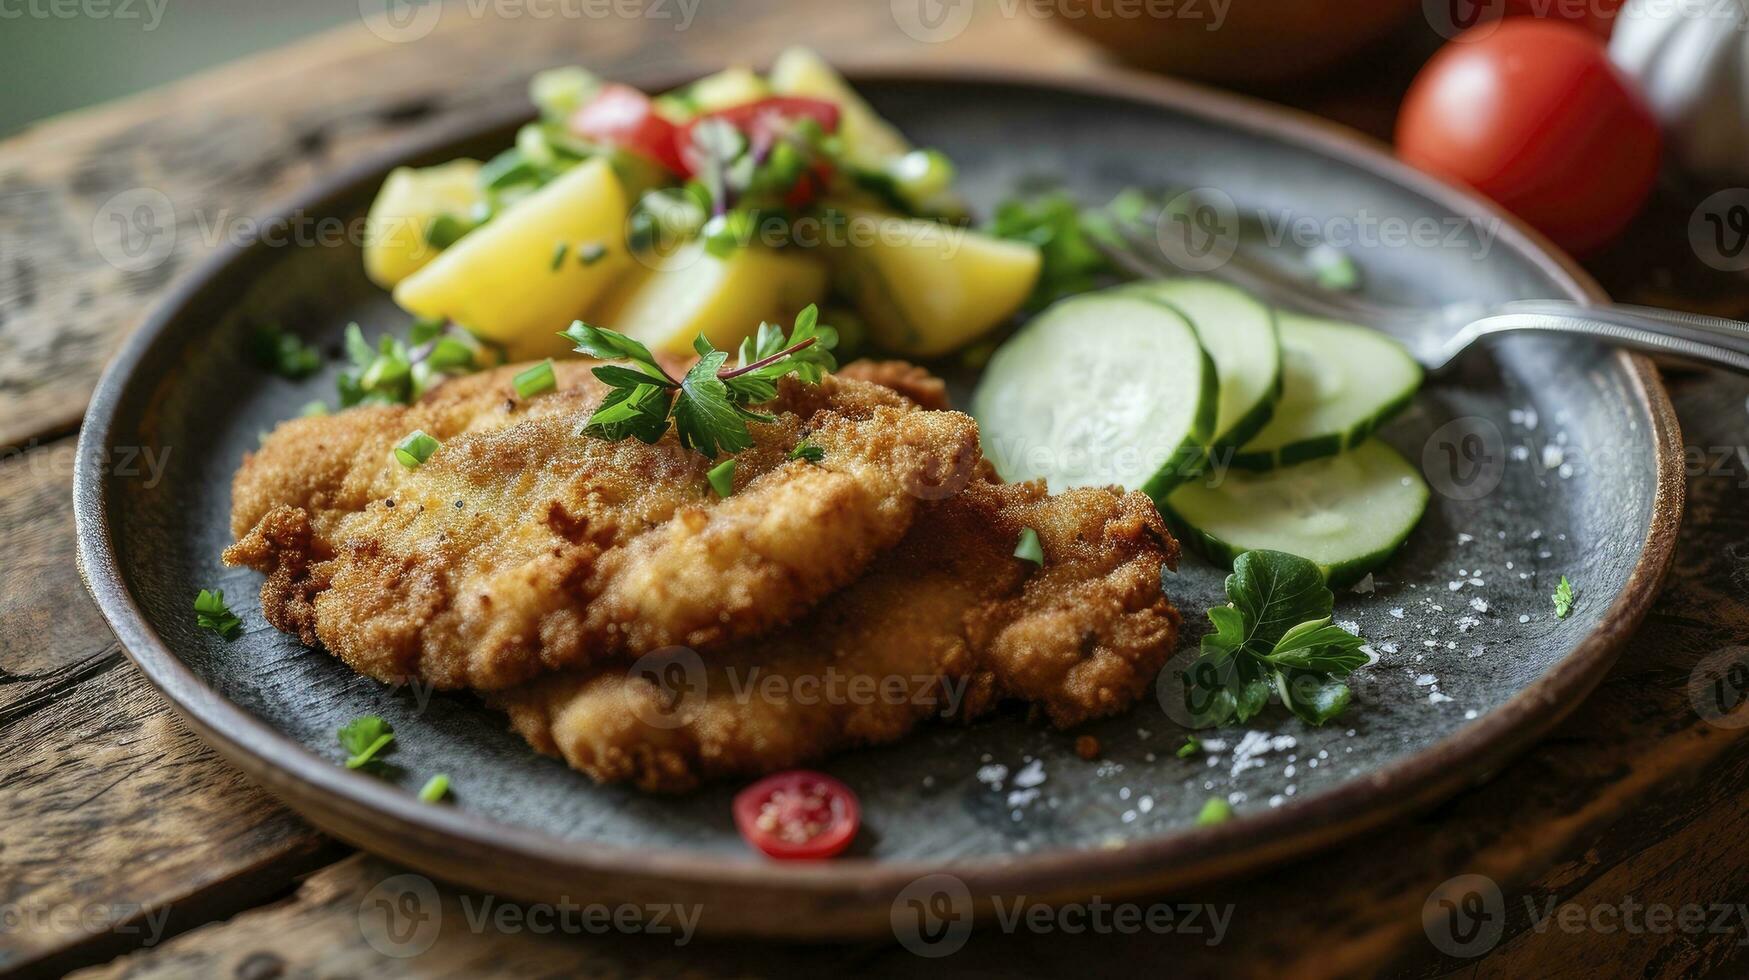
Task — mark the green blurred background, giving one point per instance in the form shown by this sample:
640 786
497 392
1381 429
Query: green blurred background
51 64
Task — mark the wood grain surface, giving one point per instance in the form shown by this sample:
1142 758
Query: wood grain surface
122 831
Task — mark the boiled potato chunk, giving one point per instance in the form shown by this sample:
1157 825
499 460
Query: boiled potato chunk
410 199
869 140
693 292
727 88
927 288
502 281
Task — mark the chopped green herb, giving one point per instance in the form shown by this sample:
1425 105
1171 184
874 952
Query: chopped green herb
396 373
1192 745
211 613
808 451
1274 637
535 380
364 738
435 788
1564 598
1029 547
284 354
1216 810
312 409
415 449
722 477
590 253
708 407
446 229
1333 268
559 251
1064 234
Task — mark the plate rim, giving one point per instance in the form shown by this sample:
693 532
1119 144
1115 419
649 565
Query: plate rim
474 849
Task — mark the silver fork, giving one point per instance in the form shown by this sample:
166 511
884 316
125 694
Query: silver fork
1436 336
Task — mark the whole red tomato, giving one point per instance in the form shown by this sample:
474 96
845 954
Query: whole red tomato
1532 114
1596 16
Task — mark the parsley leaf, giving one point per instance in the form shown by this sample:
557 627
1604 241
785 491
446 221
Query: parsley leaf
705 419
211 613
1273 637
1564 598
808 451
364 738
708 407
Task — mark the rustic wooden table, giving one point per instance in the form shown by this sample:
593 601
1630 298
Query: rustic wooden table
127 847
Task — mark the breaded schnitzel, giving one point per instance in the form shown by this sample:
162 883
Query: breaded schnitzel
522 546
949 622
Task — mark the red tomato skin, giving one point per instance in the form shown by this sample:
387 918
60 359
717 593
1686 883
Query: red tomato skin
831 843
1596 16
1532 114
622 116
785 107
750 117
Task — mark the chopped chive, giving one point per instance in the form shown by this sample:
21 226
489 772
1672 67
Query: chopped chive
808 451
435 788
590 253
559 251
211 613
415 449
1216 810
1029 547
722 477
1190 747
535 380
1564 598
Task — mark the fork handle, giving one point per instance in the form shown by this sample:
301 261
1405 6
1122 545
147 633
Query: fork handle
1710 340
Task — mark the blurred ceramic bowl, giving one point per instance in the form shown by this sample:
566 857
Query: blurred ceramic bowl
1234 42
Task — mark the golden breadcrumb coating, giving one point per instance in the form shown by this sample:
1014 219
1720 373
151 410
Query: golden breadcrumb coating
522 546
947 623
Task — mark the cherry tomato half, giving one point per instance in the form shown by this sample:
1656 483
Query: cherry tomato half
622 116
1534 116
798 815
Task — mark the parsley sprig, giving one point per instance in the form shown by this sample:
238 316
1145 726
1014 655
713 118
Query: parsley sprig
709 406
211 613
1273 637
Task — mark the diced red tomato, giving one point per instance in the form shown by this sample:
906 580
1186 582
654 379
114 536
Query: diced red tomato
622 116
763 121
756 118
798 815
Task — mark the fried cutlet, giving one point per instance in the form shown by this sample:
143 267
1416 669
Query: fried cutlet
948 623
523 546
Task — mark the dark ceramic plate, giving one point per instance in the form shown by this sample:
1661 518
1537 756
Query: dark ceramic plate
1473 664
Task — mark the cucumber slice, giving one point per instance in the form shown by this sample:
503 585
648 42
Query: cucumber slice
1240 335
1102 389
1347 513
1340 382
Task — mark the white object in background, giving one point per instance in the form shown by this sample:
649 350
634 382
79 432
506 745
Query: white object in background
1691 58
